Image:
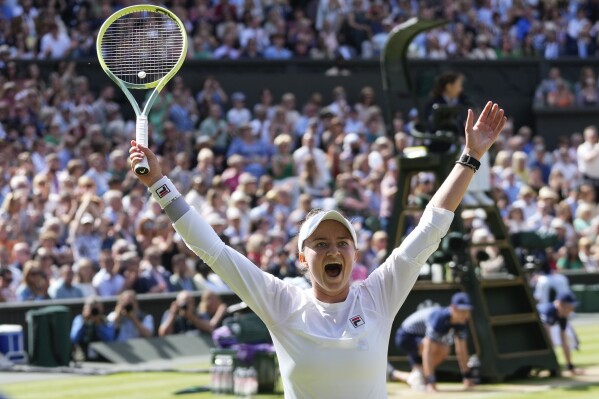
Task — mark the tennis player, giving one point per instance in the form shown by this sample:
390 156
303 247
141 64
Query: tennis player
331 339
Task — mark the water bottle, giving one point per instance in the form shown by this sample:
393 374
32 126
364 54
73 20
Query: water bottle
474 366
238 381
227 378
215 373
252 381
437 273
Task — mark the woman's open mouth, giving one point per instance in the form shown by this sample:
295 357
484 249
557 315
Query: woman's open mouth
333 269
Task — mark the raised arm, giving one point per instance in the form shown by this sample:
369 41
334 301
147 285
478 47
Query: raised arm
479 138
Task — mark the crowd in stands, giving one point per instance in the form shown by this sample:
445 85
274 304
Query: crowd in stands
317 29
558 92
75 222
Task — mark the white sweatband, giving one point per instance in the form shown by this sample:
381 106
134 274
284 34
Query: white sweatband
164 192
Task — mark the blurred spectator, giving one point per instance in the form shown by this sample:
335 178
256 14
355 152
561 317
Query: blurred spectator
587 155
128 321
133 280
152 269
55 44
183 318
107 281
34 285
7 293
64 288
562 97
91 326
212 308
181 279
84 274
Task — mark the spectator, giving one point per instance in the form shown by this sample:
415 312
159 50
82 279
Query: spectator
55 44
64 287
588 157
183 318
85 235
153 270
238 115
128 321
180 279
107 281
84 274
587 254
21 253
562 97
91 326
547 85
212 309
133 280
277 49
33 284
255 152
7 292
216 129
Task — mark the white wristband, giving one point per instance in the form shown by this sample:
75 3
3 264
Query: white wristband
164 192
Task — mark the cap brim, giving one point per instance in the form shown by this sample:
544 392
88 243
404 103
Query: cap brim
311 224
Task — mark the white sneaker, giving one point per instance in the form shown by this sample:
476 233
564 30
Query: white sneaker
416 381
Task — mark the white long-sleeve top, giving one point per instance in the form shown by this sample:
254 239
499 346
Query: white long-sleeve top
325 350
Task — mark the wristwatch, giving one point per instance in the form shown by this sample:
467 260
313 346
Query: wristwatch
469 161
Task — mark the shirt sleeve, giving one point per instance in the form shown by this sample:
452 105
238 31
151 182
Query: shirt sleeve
391 282
77 329
269 297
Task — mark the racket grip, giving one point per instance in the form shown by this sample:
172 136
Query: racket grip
141 136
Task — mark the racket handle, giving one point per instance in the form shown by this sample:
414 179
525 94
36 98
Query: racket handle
141 136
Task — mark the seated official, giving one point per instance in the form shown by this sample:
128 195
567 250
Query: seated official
128 321
557 313
426 337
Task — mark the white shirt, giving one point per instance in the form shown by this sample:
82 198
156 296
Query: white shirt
108 285
588 167
325 350
238 116
58 46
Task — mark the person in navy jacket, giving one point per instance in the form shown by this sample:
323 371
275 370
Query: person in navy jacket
557 312
426 337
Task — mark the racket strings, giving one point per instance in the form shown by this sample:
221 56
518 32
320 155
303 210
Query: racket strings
142 47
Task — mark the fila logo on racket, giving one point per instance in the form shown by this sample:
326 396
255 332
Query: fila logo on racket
357 321
162 191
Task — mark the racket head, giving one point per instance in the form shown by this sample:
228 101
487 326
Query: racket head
140 38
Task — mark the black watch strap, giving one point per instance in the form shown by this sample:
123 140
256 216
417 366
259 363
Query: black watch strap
469 161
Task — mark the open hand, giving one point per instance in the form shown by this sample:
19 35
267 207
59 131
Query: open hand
480 136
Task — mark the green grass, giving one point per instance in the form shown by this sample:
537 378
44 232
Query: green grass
160 385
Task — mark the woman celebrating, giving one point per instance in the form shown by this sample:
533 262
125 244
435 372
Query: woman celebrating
332 338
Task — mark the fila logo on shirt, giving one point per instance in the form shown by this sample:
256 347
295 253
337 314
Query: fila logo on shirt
162 191
357 321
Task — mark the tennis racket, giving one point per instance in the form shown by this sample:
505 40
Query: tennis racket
142 47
